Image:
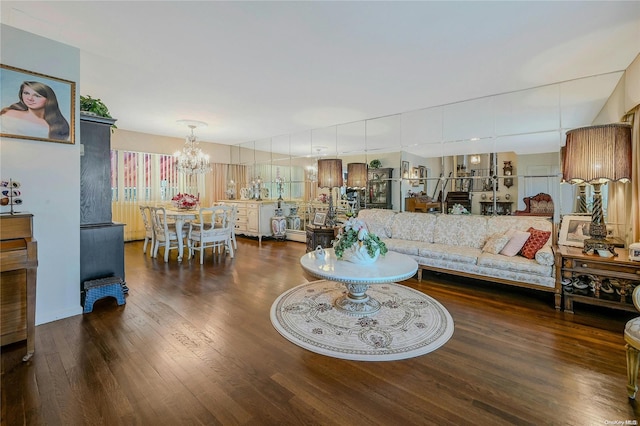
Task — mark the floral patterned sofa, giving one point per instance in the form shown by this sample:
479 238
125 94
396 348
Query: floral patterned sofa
457 244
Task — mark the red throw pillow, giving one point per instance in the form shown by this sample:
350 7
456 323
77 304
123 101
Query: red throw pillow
535 242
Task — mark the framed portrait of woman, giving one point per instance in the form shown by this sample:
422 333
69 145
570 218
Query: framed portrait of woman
36 106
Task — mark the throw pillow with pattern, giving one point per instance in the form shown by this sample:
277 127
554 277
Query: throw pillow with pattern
536 241
496 243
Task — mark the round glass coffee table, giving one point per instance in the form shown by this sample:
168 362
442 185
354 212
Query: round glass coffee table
357 278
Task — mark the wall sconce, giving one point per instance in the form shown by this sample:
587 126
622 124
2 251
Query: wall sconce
475 159
596 155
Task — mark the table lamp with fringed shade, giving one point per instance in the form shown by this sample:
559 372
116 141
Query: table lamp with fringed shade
330 176
357 175
597 155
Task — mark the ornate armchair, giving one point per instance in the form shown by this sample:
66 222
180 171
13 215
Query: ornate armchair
632 337
537 205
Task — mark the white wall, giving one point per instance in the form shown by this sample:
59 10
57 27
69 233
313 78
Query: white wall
625 96
50 177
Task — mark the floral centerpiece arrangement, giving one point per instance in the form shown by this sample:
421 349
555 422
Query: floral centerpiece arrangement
356 244
185 201
458 209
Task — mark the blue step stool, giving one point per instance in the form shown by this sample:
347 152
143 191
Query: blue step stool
103 287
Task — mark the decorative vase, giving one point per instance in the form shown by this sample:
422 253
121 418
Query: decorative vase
358 254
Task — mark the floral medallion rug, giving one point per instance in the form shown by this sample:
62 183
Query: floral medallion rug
409 323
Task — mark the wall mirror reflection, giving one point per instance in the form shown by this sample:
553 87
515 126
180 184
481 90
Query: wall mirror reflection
493 155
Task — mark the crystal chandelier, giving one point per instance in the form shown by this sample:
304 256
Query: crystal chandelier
191 160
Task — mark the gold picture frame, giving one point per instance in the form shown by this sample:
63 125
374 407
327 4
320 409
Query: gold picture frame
320 218
22 92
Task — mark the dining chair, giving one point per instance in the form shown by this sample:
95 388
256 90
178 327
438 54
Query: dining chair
213 230
165 233
234 219
149 235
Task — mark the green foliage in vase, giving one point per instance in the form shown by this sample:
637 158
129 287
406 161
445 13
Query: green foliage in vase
353 232
375 164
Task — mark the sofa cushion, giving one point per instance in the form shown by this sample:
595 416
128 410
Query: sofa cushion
535 242
461 230
514 263
378 221
450 253
496 243
545 256
516 242
413 226
497 224
403 246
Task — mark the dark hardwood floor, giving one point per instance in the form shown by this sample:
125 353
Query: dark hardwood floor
194 345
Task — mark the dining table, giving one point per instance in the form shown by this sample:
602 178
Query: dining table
181 217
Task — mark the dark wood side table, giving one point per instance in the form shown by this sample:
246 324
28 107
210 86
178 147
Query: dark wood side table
613 278
320 236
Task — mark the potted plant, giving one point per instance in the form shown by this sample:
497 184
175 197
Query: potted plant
96 107
375 164
356 244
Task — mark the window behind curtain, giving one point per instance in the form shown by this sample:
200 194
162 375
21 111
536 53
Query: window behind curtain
139 178
143 177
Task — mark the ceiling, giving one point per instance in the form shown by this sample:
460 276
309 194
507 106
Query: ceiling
254 70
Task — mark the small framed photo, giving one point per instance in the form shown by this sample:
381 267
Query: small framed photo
405 170
415 175
36 106
422 172
320 218
574 229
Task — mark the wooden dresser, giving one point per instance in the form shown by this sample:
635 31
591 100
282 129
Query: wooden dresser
18 265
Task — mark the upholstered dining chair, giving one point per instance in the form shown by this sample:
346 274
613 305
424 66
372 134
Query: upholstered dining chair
149 234
213 230
234 220
165 233
632 337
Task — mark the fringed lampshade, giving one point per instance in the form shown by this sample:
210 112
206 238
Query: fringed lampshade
596 155
329 173
330 176
357 175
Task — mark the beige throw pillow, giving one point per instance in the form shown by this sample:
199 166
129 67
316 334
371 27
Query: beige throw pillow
516 243
495 243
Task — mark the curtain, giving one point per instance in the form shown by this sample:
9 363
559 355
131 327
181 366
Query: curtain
635 176
139 178
623 215
218 184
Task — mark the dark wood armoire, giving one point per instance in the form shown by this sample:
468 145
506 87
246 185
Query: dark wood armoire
101 240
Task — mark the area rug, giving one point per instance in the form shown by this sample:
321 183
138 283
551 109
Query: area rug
409 323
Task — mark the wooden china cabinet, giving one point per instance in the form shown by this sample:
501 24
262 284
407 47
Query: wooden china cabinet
378 194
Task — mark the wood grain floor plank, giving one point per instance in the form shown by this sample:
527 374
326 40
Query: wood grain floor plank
194 345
